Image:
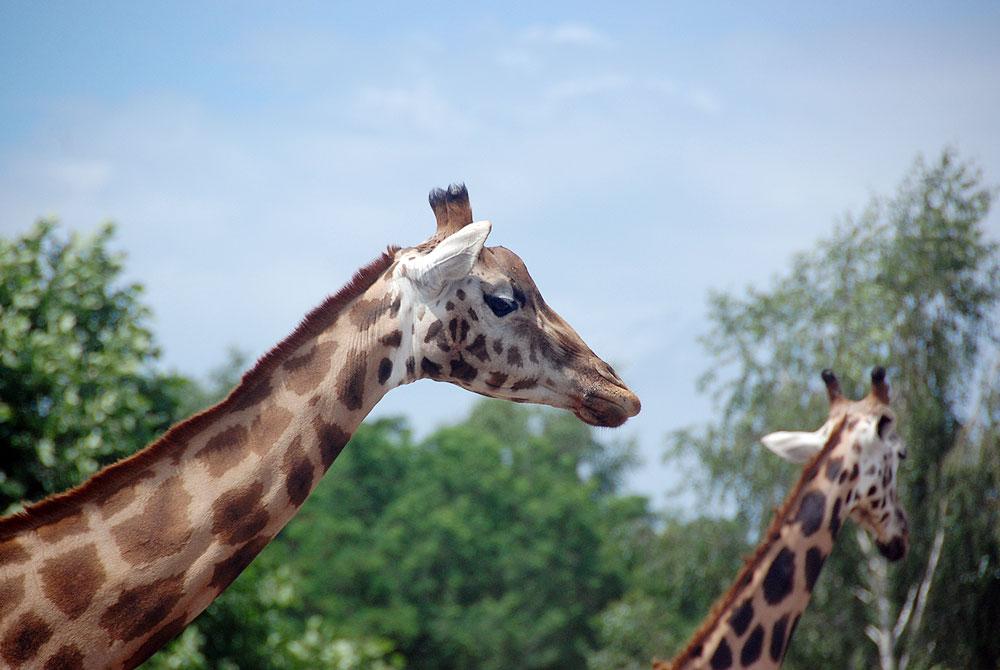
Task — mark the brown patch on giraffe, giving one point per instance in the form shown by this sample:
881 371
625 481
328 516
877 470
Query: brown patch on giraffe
777 646
71 580
299 469
332 440
393 339
812 509
247 395
741 617
268 427
366 312
460 294
24 639
814 563
497 347
224 450
411 367
67 657
436 332
496 379
227 570
433 330
835 518
163 528
449 305
752 647
833 468
237 515
780 577
139 609
11 552
463 330
430 368
120 496
478 348
156 641
384 370
524 384
307 371
351 383
461 370
453 329
473 315
723 656
68 524
514 357
11 594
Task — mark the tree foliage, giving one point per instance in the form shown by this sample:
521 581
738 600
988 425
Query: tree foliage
77 390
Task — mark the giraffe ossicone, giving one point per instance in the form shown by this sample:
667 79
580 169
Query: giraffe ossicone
850 471
107 573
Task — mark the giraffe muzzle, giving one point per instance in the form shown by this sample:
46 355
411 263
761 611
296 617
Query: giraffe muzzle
894 549
607 409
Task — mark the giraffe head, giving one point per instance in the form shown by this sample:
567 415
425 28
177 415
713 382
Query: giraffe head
479 321
864 451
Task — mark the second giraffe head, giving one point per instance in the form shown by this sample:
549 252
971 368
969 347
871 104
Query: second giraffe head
862 450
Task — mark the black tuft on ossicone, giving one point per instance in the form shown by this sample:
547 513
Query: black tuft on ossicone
451 207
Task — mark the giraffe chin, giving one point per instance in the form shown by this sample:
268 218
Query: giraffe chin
893 550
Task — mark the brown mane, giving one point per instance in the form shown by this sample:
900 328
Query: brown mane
252 386
809 472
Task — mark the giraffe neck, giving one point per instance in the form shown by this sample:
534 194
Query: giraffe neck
105 575
752 624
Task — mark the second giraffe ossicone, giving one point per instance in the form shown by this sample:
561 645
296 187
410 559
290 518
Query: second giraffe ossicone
106 574
850 471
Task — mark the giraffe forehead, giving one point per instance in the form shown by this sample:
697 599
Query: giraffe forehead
500 262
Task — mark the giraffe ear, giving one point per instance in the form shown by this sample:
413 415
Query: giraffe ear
797 447
451 259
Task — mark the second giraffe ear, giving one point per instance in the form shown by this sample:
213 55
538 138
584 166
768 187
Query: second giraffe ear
451 259
797 447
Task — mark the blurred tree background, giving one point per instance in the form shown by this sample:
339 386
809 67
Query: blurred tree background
506 540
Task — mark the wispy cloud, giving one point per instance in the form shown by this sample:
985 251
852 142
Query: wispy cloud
418 107
567 34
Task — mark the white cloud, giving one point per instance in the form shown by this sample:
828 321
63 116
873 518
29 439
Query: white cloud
418 107
567 34
704 101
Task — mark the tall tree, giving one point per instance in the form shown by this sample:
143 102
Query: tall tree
913 284
77 387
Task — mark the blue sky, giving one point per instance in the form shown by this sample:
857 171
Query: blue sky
255 155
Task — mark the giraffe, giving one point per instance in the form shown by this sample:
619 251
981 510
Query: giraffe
104 575
850 471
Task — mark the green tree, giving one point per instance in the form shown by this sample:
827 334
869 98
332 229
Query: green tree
482 546
912 284
678 568
77 387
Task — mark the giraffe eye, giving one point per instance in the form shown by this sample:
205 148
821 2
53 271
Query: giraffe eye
500 306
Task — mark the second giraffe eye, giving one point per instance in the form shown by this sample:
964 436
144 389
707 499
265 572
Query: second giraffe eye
500 306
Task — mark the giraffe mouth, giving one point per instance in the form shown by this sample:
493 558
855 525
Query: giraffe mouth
607 410
893 550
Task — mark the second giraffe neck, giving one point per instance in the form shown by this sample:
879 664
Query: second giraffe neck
752 625
134 555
